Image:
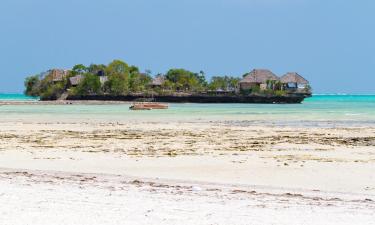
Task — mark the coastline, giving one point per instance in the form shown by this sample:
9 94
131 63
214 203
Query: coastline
200 98
206 167
62 102
297 157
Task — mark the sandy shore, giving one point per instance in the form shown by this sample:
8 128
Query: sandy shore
42 197
179 172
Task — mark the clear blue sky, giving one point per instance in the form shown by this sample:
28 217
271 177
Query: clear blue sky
330 42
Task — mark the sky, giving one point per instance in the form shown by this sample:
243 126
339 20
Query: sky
329 42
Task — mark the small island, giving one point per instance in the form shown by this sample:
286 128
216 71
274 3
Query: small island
118 81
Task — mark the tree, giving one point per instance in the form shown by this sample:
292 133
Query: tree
97 69
168 85
225 83
116 85
89 85
52 91
216 83
118 67
133 70
184 80
118 77
32 85
201 78
139 81
79 69
233 82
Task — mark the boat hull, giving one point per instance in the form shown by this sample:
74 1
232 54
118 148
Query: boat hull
148 106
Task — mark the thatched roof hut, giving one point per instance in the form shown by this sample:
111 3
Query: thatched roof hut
58 74
74 81
158 80
259 76
293 77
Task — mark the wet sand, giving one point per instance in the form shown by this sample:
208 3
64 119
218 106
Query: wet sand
179 172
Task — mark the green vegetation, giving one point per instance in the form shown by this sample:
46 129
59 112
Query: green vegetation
32 84
223 83
89 85
118 78
79 69
44 88
184 80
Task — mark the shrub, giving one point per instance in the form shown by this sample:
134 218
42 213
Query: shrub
280 93
32 85
89 85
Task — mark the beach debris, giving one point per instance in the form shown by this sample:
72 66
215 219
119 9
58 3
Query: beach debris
172 153
136 182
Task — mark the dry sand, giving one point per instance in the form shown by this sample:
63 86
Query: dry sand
199 172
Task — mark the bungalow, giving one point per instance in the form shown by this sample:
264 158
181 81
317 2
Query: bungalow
293 81
74 81
58 74
158 81
257 78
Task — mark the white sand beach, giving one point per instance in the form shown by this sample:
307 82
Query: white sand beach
41 197
187 112
108 171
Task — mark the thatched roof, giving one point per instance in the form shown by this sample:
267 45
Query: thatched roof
259 76
58 74
76 80
293 78
158 80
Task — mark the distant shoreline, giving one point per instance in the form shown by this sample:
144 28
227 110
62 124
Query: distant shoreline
61 102
198 98
178 98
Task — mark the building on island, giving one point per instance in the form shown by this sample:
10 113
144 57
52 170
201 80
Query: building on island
58 74
293 81
158 81
102 77
263 79
257 78
74 81
77 79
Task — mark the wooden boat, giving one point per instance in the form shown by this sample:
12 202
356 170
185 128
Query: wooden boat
148 106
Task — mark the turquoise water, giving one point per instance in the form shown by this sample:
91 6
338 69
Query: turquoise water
320 110
15 97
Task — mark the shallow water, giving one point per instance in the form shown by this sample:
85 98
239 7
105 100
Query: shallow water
320 110
16 97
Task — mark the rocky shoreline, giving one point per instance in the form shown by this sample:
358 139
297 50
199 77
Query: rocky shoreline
256 99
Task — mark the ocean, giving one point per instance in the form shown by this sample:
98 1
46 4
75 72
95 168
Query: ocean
16 97
319 110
